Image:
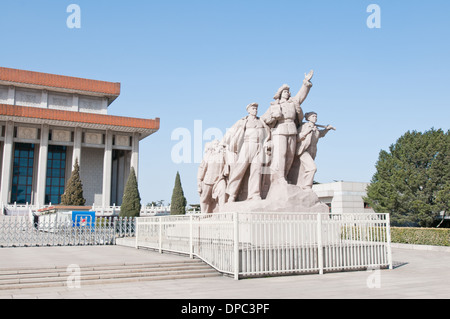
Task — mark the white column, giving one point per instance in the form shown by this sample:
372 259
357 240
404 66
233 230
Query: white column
7 163
44 99
77 146
42 166
135 154
107 170
11 95
75 103
104 106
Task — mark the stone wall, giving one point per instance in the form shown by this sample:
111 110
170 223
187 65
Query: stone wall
91 173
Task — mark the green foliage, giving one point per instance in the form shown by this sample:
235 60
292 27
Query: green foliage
158 203
421 236
178 202
73 195
443 198
131 202
412 179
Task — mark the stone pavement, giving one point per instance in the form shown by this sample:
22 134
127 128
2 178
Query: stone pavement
417 274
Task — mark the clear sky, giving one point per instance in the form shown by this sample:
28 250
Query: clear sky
196 64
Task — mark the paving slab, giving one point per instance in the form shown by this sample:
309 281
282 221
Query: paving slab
79 255
416 274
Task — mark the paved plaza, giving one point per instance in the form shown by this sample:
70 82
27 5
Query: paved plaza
423 274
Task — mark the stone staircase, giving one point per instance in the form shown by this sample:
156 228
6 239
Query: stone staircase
103 274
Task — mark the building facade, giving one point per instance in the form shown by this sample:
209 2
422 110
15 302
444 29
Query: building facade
48 122
344 197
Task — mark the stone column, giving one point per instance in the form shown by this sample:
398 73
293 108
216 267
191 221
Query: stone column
11 95
77 146
75 103
44 99
107 170
135 154
42 166
7 163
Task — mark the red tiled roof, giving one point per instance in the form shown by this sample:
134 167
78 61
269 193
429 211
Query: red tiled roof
59 81
77 117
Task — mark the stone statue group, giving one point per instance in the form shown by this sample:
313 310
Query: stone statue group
278 148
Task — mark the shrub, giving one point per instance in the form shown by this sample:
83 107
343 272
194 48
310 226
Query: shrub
421 236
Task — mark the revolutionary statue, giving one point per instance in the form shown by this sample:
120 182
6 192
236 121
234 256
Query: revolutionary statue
248 141
284 117
265 164
308 137
210 177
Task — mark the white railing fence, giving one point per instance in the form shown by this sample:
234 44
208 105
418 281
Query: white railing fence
146 211
259 244
61 230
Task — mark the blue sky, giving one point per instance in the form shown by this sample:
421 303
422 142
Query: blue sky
205 60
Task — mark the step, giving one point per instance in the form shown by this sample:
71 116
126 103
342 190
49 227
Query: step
109 281
112 276
22 270
116 273
90 275
51 271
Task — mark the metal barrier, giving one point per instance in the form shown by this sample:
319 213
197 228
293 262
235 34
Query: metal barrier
21 231
260 244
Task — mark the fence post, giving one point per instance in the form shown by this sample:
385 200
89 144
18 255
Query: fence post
160 235
388 241
236 245
319 243
136 232
191 247
115 230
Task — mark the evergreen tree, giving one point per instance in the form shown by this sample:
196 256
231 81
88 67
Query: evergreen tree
178 202
73 195
412 178
443 203
131 202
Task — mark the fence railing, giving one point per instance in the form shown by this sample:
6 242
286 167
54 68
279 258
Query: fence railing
56 230
258 244
106 211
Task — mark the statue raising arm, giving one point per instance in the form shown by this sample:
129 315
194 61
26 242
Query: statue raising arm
304 91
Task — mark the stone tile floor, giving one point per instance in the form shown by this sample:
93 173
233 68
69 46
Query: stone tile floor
417 275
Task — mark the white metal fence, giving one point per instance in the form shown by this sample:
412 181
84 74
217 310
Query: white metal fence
105 211
56 230
257 244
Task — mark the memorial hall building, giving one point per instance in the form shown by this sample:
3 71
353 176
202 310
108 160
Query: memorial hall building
48 122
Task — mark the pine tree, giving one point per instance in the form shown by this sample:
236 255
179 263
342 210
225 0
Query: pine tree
412 178
131 202
443 202
73 195
178 202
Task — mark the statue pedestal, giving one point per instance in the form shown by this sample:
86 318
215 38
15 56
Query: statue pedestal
284 198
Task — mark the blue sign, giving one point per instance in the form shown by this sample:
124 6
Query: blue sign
83 219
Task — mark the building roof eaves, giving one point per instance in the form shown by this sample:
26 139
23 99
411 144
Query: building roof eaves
47 80
78 118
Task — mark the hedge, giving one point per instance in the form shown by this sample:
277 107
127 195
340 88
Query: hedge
421 236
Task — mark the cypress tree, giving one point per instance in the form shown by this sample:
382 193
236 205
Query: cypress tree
73 195
131 202
178 202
